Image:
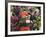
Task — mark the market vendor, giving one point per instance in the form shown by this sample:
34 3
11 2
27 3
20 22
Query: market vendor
14 19
15 9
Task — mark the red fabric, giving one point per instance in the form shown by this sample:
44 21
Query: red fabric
17 27
23 14
24 28
14 19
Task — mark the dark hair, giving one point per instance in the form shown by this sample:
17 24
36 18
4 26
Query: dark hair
38 8
13 14
35 12
30 10
24 10
13 6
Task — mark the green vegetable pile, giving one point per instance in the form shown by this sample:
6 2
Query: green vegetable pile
37 23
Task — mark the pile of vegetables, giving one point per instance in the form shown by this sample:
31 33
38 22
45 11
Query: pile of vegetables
37 23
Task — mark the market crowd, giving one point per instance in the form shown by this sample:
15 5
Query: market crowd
25 18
